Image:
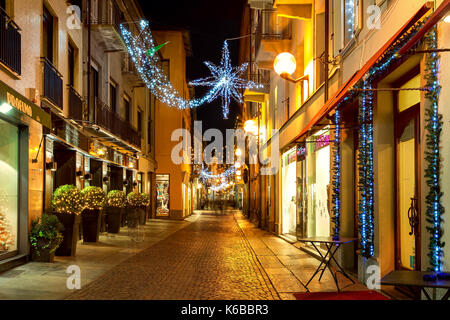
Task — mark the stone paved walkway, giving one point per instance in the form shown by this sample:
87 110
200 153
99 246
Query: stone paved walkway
209 259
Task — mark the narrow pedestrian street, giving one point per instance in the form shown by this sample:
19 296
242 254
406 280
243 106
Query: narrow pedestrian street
208 259
212 255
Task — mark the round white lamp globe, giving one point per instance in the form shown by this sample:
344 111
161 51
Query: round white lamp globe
285 63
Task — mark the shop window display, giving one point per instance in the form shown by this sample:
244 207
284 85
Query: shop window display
9 197
289 187
319 188
162 194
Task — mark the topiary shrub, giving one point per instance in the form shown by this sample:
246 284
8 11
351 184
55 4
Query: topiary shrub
145 199
134 200
94 198
116 199
68 199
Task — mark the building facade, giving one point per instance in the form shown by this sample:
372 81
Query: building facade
73 109
353 125
173 180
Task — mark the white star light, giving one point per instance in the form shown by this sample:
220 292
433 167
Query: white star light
225 81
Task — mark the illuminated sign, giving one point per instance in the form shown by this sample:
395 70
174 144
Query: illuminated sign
11 100
322 141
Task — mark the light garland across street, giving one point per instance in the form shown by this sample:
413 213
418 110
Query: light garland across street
225 80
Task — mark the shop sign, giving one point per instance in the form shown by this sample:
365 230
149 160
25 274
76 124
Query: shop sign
322 141
292 157
11 98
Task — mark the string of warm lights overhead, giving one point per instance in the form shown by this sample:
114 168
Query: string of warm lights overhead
225 80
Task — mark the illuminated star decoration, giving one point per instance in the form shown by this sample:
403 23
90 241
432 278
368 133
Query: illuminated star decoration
226 81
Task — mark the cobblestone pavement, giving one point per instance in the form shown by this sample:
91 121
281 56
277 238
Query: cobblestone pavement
209 259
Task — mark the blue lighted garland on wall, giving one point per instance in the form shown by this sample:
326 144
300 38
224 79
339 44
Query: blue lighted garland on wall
336 177
365 158
366 173
433 126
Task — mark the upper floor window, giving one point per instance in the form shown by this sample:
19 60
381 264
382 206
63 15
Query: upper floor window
47 36
127 108
71 58
347 22
113 97
139 121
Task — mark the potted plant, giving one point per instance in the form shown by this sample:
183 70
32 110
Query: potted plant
94 200
67 203
115 204
45 238
134 204
145 203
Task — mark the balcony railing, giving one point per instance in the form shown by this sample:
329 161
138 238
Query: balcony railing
53 84
75 104
259 76
107 13
272 27
112 122
10 43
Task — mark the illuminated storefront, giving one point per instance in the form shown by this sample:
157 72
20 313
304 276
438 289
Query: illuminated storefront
288 204
318 185
21 123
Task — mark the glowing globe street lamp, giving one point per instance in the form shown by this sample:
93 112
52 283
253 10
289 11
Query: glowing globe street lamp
285 65
250 126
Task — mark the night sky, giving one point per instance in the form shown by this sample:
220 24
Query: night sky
210 22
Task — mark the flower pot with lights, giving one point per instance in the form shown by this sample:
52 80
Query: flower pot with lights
94 199
45 238
145 203
134 204
116 202
67 203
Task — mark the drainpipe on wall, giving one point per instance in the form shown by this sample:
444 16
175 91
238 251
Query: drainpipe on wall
327 47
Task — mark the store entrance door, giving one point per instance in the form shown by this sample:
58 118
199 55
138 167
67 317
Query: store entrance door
407 190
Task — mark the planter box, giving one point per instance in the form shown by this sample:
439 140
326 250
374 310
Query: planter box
71 225
133 217
142 216
42 255
91 220
114 219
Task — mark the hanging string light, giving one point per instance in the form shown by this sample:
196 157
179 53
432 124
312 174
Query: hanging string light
225 80
350 17
433 126
365 157
151 71
206 175
366 173
336 178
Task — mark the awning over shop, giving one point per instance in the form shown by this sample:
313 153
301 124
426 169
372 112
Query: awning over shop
334 101
12 101
440 13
